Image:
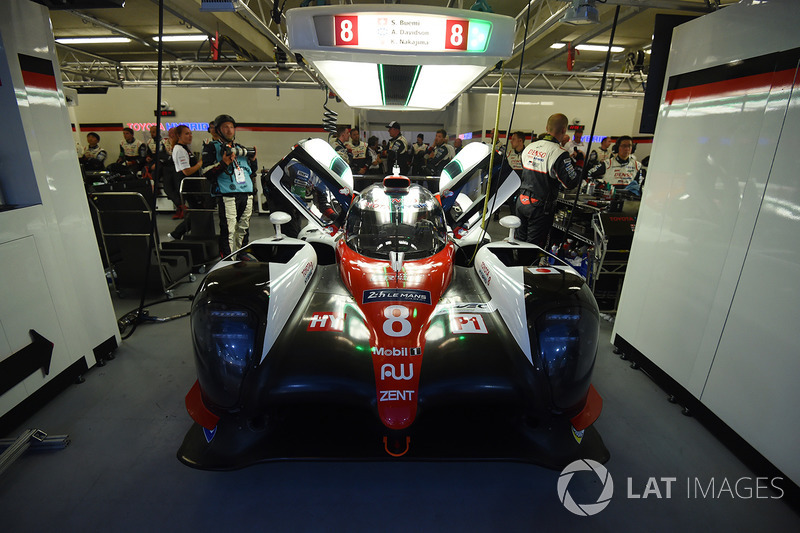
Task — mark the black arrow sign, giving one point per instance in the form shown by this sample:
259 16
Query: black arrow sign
25 362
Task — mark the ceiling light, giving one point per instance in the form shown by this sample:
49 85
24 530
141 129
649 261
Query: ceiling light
188 38
590 47
399 57
92 40
599 48
581 12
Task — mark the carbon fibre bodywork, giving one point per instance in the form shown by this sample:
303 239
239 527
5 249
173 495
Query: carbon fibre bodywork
372 358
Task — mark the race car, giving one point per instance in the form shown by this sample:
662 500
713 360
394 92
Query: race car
392 328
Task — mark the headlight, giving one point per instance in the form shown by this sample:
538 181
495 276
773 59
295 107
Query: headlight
567 348
224 340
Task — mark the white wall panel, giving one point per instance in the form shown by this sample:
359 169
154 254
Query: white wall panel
52 276
710 291
753 380
24 281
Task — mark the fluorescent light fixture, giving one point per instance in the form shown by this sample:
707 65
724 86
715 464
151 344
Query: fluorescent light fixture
188 38
438 85
435 85
599 48
340 76
590 47
92 40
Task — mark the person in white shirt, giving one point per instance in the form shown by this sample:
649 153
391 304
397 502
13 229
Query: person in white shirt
601 153
186 164
577 148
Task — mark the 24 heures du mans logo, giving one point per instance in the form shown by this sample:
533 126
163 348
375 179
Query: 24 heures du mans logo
397 295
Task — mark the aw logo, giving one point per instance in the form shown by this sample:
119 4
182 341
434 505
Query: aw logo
585 509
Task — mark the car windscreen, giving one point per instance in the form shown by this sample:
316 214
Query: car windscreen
411 222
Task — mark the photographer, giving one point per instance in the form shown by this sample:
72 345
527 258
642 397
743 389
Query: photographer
231 169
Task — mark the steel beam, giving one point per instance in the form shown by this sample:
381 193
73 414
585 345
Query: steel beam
114 29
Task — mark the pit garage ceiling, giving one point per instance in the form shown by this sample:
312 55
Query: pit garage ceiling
250 36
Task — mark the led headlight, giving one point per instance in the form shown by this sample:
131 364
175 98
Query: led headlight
224 340
567 348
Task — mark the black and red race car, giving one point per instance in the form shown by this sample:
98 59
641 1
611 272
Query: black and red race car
392 328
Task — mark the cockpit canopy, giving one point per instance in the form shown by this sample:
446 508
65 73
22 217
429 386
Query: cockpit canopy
410 221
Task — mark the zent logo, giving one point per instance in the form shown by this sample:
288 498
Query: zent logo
394 395
586 509
389 371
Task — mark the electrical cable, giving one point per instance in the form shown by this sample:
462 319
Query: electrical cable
329 116
585 170
508 132
157 168
137 315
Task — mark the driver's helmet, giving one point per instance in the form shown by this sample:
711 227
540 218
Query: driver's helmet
408 220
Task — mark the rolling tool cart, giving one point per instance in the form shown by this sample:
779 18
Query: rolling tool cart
201 237
613 236
126 229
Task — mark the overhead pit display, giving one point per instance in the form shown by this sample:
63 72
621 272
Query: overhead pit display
404 57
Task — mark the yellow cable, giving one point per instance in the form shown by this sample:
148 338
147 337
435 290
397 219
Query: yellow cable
491 161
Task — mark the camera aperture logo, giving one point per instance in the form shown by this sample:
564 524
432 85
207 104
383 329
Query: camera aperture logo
585 509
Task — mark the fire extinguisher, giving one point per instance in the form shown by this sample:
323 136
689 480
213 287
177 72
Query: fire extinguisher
571 53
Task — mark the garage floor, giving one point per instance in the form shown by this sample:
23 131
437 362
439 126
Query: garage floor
127 420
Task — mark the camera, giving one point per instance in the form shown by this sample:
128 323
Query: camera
238 151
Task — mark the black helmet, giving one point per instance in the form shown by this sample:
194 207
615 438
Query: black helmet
221 119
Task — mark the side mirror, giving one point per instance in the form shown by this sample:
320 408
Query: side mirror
278 218
511 222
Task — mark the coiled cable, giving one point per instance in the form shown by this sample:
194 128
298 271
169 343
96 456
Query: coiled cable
329 117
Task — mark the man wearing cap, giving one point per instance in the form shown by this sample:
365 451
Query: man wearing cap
232 177
398 151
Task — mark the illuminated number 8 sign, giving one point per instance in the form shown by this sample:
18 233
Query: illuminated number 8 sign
346 29
456 36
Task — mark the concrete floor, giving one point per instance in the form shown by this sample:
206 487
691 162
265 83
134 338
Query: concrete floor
127 420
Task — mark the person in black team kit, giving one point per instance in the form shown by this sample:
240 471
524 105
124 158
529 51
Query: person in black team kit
398 150
232 176
547 167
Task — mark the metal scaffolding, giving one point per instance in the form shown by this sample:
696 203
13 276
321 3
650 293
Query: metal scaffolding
81 70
